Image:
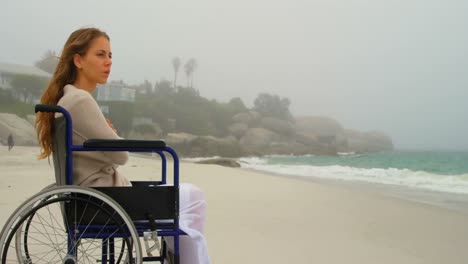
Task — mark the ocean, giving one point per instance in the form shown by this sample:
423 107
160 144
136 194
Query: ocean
441 171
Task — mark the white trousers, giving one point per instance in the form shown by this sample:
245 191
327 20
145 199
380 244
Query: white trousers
192 208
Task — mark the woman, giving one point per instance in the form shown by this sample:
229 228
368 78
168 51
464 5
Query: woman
86 61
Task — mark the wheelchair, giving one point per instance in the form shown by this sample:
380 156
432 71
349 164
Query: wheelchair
69 224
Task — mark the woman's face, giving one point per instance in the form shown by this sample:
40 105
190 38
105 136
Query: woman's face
94 67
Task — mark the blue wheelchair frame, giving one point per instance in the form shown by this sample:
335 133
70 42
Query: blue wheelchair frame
156 146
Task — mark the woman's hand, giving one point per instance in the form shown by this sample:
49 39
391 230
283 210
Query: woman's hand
111 126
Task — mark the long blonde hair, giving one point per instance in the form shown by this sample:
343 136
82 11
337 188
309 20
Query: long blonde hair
65 73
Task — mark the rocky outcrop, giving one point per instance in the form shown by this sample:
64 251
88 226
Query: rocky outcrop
189 145
249 134
281 127
256 141
238 129
206 146
23 131
221 161
179 138
318 125
146 131
324 135
360 142
249 118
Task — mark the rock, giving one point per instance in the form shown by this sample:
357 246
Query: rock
367 141
306 139
23 132
148 131
206 146
188 145
281 127
179 138
222 162
288 148
318 125
256 141
238 129
248 118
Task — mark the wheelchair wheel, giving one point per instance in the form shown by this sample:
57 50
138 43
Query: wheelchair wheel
69 224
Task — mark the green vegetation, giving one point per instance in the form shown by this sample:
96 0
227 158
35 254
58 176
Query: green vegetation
185 110
9 105
273 106
29 87
121 114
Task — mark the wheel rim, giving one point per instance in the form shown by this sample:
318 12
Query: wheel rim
39 226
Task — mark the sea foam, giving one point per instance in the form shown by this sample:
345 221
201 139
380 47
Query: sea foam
392 176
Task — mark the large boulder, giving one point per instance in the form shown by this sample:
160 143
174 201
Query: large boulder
306 139
23 132
238 129
279 126
322 135
179 138
208 146
189 145
288 148
367 141
146 131
248 118
318 125
221 161
257 141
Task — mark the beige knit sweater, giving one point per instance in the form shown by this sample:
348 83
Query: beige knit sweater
93 168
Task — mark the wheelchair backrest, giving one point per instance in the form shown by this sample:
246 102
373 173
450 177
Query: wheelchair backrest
59 148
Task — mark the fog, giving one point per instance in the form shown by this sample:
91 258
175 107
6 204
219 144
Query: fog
392 66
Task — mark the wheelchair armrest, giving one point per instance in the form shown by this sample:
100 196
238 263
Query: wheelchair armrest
145 183
124 143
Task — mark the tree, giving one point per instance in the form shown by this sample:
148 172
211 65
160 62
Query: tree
273 106
121 115
147 87
237 105
163 87
28 87
176 65
48 62
189 67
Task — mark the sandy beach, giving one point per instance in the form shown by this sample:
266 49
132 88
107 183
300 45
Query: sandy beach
258 218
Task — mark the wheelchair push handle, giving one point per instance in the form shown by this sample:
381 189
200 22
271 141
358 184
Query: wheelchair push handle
47 108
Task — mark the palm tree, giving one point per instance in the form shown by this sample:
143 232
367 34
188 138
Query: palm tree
190 67
188 72
194 64
176 65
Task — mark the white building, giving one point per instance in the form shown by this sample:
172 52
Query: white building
115 91
8 71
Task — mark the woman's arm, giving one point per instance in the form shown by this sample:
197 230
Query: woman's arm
90 123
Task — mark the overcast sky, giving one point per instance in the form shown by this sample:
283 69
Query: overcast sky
394 66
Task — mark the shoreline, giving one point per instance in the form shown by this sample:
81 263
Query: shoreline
446 200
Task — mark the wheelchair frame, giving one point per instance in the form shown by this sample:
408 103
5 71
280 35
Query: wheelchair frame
162 220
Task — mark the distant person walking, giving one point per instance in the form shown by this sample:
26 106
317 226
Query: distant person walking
11 142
